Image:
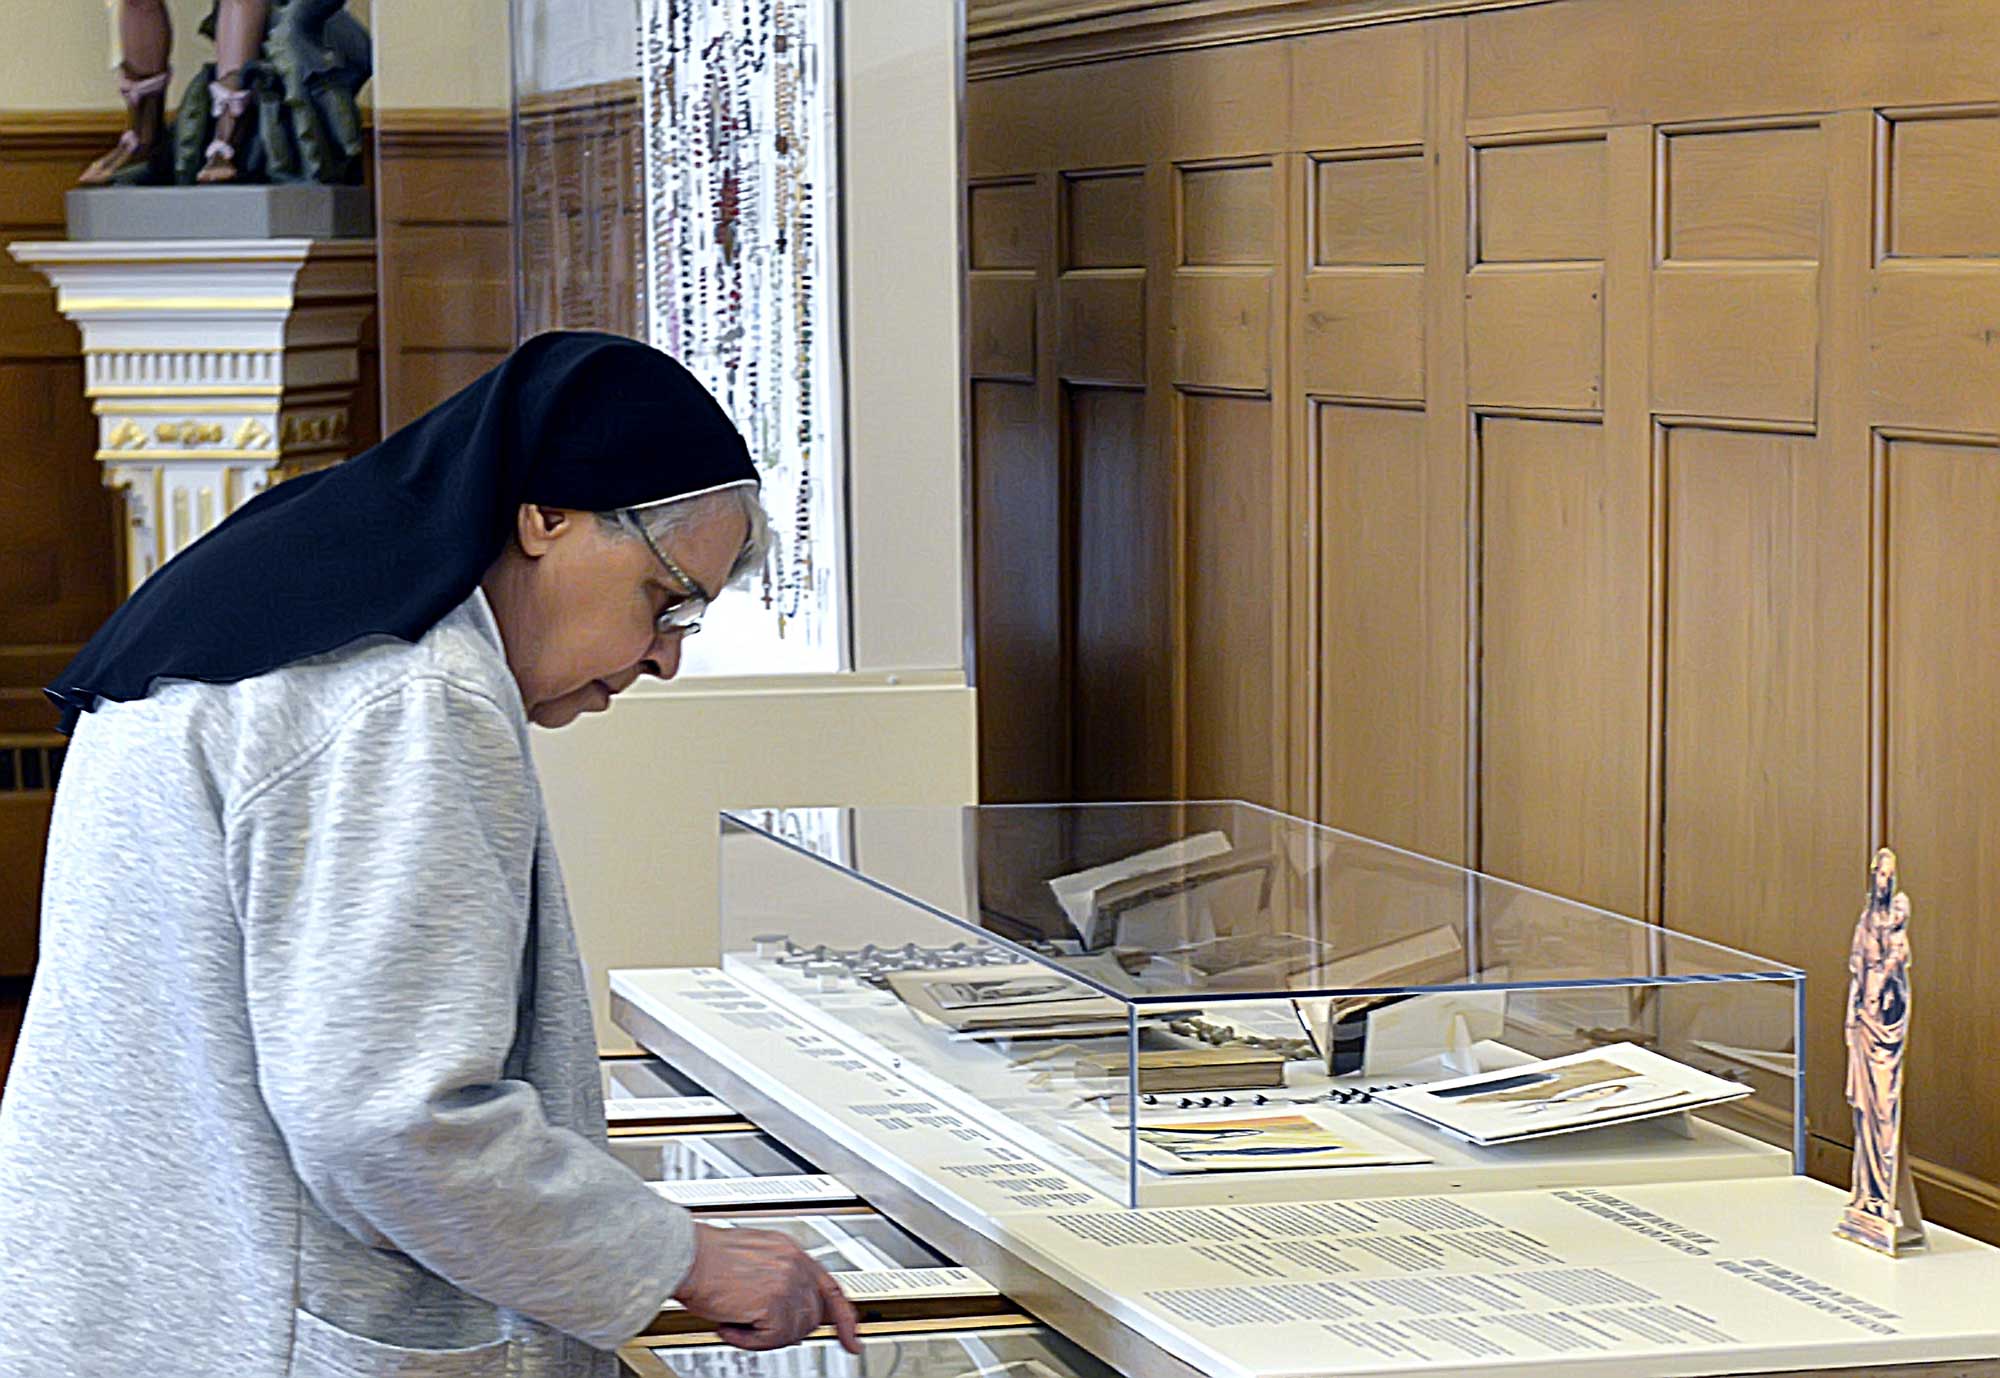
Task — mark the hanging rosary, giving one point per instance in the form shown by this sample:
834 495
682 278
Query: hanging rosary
733 94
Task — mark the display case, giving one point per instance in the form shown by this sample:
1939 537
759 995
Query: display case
1206 1003
1212 1091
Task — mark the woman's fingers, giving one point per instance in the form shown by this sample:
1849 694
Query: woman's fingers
839 1312
764 1291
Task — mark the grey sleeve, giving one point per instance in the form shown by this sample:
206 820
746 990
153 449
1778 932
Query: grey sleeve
383 882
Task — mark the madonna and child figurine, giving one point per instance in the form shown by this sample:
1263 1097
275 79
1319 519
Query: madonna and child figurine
1882 1213
278 104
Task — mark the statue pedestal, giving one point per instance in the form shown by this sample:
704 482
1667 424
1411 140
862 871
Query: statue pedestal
296 210
214 367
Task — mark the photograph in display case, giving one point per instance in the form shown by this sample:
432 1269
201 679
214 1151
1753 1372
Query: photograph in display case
1616 1084
986 992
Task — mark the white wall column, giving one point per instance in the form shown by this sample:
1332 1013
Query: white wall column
214 367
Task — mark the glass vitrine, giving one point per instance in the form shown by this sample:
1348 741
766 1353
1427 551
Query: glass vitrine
1207 1002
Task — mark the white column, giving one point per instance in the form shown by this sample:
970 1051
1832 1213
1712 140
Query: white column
214 367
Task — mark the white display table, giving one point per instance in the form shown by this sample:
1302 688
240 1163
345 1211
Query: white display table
1635 1280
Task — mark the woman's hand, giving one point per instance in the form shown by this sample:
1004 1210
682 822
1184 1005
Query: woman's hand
762 1291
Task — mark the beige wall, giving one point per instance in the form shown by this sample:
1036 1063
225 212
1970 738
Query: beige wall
571 43
430 53
440 54
67 66
900 181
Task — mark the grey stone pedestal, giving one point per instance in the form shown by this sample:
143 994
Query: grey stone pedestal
298 210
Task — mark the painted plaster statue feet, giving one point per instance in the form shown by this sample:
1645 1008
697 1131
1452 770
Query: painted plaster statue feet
145 44
146 112
279 104
228 100
239 37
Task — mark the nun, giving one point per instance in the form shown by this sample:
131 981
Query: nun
308 1083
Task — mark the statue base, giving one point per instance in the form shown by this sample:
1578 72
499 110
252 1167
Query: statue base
293 210
1899 1232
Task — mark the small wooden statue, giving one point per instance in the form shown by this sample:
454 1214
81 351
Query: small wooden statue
1882 1213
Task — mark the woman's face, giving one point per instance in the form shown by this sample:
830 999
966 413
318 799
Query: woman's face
577 603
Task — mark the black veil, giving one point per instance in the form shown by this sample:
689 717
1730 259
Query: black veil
395 538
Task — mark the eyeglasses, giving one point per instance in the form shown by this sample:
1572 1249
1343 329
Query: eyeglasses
683 615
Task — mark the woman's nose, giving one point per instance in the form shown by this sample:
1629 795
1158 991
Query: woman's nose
665 661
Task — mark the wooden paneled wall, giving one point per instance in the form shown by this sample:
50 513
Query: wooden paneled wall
1562 438
461 198
582 210
57 572
444 223
58 547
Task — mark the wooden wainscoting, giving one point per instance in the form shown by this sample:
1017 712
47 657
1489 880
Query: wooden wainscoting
58 550
1013 36
448 212
1562 438
443 220
59 572
13 1010
57 575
